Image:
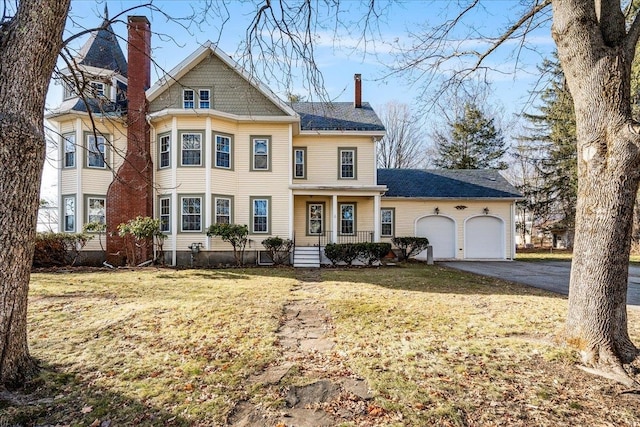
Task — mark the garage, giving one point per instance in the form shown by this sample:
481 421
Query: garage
484 238
441 232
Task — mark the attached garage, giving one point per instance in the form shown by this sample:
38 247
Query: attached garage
465 214
484 238
441 232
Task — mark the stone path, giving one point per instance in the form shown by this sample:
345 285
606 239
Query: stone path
310 378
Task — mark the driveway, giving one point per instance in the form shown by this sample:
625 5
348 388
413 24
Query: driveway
550 275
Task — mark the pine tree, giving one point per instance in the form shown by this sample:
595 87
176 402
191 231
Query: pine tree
473 142
553 133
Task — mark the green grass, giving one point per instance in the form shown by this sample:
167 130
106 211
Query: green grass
437 346
536 255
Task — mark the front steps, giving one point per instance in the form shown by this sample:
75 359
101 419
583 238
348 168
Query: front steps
306 257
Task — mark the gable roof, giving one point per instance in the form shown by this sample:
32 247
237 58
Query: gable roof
195 58
103 51
446 184
337 116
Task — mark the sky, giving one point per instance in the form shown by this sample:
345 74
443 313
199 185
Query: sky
339 53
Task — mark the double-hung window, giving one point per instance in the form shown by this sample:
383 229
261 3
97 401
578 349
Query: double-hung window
260 151
347 218
223 152
69 213
260 215
347 163
96 151
204 100
188 98
165 214
96 211
69 157
299 163
191 153
165 151
223 210
386 222
191 213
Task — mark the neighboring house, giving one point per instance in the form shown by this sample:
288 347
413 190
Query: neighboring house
207 143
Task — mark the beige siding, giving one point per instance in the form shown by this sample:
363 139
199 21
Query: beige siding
322 159
230 92
364 216
407 212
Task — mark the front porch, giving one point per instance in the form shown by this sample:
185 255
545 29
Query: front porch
325 217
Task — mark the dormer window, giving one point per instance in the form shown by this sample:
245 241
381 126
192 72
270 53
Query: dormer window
188 97
68 90
98 89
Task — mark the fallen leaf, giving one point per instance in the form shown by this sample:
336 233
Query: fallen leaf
87 409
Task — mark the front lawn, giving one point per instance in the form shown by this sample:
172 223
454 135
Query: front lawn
437 346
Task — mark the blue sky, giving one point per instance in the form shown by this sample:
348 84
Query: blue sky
339 55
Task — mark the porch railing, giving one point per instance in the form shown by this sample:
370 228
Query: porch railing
326 237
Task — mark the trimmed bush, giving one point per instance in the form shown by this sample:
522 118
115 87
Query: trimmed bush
410 246
278 249
58 249
368 253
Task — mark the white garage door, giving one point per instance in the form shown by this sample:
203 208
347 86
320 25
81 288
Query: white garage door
441 232
484 238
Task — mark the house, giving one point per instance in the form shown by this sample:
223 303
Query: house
207 143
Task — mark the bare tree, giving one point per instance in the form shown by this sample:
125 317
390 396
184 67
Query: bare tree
403 144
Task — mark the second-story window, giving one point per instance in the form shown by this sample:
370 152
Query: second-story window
205 99
191 149
69 150
188 98
223 152
260 161
96 151
347 163
165 151
299 163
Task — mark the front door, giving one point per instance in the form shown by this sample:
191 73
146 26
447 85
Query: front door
316 218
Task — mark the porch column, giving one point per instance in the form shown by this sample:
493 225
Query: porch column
376 218
334 219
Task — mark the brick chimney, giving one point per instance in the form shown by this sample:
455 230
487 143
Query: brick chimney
130 193
358 97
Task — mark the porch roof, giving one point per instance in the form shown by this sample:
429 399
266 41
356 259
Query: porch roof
339 190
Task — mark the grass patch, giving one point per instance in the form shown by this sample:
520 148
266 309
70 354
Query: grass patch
437 346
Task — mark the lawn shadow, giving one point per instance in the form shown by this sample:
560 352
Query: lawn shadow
420 277
59 397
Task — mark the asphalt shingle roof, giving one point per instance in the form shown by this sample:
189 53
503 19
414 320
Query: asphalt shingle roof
341 116
103 51
446 184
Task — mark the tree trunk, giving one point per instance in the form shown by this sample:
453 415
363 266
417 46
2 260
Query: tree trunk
29 45
597 64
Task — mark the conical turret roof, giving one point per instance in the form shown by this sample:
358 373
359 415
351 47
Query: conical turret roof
103 51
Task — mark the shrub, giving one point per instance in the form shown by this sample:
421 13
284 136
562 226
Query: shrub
349 252
139 233
372 252
278 249
233 233
410 246
58 249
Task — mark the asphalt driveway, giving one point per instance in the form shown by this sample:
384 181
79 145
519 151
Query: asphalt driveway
550 275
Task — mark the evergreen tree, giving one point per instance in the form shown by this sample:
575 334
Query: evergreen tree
553 134
472 142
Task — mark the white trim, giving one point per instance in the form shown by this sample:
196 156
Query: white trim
334 218
208 138
377 221
222 115
291 197
341 133
174 192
